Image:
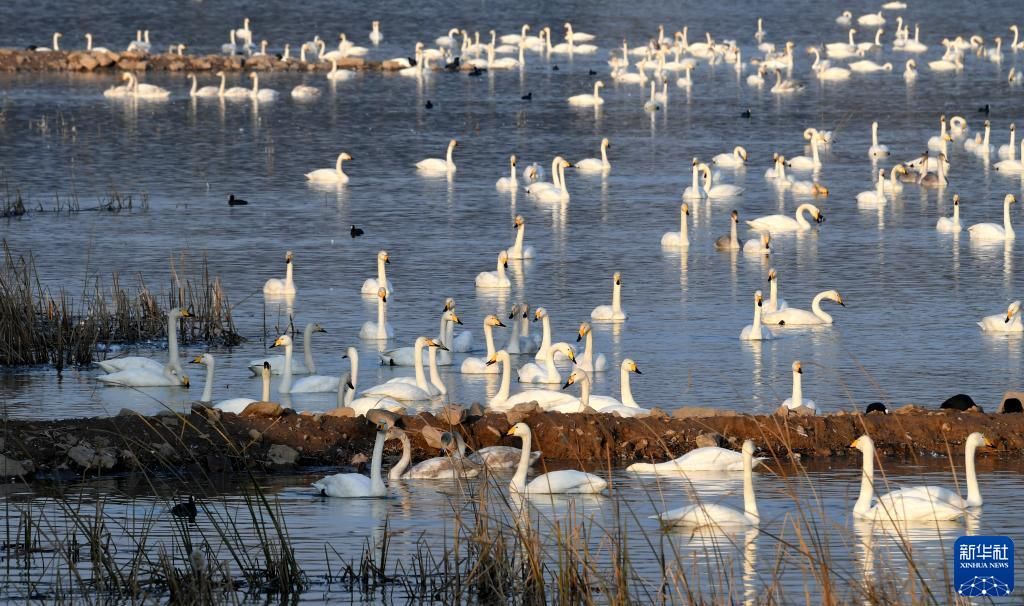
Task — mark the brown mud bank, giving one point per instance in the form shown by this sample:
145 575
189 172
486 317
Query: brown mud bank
205 441
18 60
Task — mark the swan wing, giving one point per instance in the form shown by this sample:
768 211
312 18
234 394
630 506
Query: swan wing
315 384
344 485
898 506
128 363
235 405
501 457
701 515
566 481
398 391
792 317
138 377
363 405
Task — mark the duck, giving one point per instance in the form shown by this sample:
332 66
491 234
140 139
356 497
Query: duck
591 100
478 366
595 165
681 238
702 515
783 224
730 241
1008 322
952 224
371 286
354 485
298 367
139 362
613 312
495 279
563 481
439 165
755 331
509 183
736 159
518 250
534 372
328 175
797 401
380 330
800 317
590 361
277 286
992 232
408 392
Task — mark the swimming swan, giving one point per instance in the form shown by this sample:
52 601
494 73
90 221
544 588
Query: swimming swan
276 286
1008 322
437 165
876 150
737 158
261 94
732 240
206 91
589 100
139 362
992 232
595 165
941 494
532 372
406 392
949 225
328 175
447 467
565 481
238 405
380 330
783 224
802 317
145 377
613 312
354 485
707 458
517 250
372 285
755 331
298 368
478 366
681 238
700 515
497 278
775 303
590 361
509 183
876 197
797 400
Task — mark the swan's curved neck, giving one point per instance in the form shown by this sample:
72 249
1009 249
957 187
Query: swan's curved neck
749 501
956 213
1013 143
549 364
417 350
554 173
403 463
695 185
501 269
307 349
382 273
880 185
514 334
604 157
506 380
172 340
519 479
337 165
377 486
626 389
814 150
588 350
435 376
874 134
286 377
520 232
867 490
773 293
734 238
448 156
545 340
973 491
1007 227
800 216
195 85
585 390
757 321
208 388
382 318
561 181
289 275
489 339
353 359
798 390
816 308
617 297
265 394
684 236
255 84
223 83
597 91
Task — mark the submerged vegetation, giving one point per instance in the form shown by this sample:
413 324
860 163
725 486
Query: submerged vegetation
40 326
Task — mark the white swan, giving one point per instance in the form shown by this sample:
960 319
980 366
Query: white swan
895 505
380 330
145 377
804 162
949 225
557 191
947 65
518 250
94 49
731 241
876 197
681 238
991 231
695 191
564 481
845 18
893 185
405 356
436 386
406 392
755 331
261 94
303 92
939 494
1012 165
533 372
1008 322
784 86
326 383
372 285
206 91
590 361
707 458
147 91
737 158
277 286
497 278
376 36
589 100
801 317
613 312
783 224
117 92
797 400
758 246
298 368
1009 151
775 303
718 191
547 399
595 165
337 75
139 362
865 66
509 183
331 175
446 467
910 71
699 515
627 406
478 366
238 405
354 485
576 36
439 165
876 150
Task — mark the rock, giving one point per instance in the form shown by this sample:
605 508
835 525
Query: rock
1013 402
709 439
526 407
906 410
263 409
9 468
87 457
520 412
452 414
282 454
255 436
341 411
126 412
166 451
432 436
379 416
87 63
175 66
689 412
359 459
476 410
105 59
657 413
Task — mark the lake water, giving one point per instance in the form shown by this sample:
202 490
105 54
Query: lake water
912 295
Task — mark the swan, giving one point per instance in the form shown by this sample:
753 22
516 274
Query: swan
785 86
276 286
758 246
845 18
576 36
589 100
519 339
372 285
979 145
755 331
652 104
946 65
613 312
145 377
842 50
940 494
451 466
496 278
1008 322
517 250
350 49
797 400
405 356
871 20
534 174
681 238
302 92
755 79
533 372
514 38
784 224
298 368
723 190
449 39
993 232
910 71
206 91
824 70
547 399
1009 151
876 197
146 91
500 457
589 361
140 44
896 505
893 185
328 175
695 191
594 165
478 366
437 165
865 66
876 150
775 303
938 142
948 225
138 362
354 485
731 241
436 386
557 191
244 32
700 515
381 329
802 317
235 92
564 481
117 92
1013 166
363 405
324 383
406 392
509 183
238 405
376 36
995 55
957 127
806 163
94 49
339 74
707 458
627 406
737 158
914 45
541 315
261 94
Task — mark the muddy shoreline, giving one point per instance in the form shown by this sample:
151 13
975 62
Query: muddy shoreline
207 442
20 60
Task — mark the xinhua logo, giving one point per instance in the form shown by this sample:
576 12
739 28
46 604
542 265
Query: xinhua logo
983 566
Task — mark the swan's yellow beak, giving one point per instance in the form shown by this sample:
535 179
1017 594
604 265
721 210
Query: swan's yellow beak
199 359
511 431
492 360
854 443
185 314
184 380
571 355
